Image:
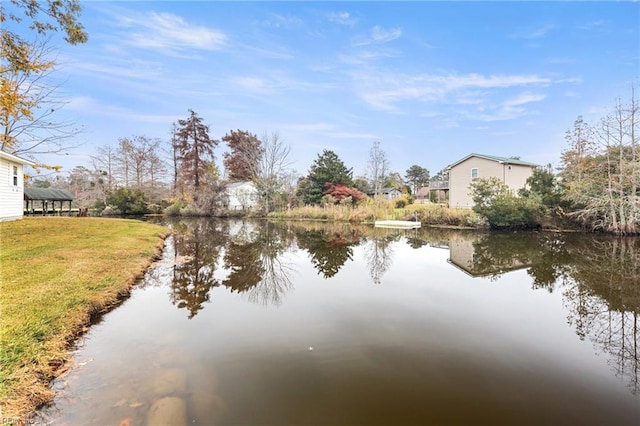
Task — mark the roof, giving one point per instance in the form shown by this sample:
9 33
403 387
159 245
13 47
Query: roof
388 190
383 191
239 184
47 194
15 159
504 160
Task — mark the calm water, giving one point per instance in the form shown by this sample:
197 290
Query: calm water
292 324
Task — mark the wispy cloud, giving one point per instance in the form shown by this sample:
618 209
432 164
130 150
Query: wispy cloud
508 109
559 60
366 56
342 18
352 135
277 82
309 127
592 25
281 21
256 85
329 130
525 98
474 96
171 33
92 106
379 35
533 32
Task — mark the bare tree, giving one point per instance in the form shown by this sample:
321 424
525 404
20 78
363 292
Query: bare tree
377 167
105 161
271 166
175 162
29 103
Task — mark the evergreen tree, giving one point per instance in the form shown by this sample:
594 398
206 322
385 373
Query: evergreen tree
417 177
326 169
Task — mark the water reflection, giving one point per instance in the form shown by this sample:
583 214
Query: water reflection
197 246
251 254
599 278
293 323
329 247
601 288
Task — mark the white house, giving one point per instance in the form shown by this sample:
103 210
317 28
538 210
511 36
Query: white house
12 186
242 195
514 173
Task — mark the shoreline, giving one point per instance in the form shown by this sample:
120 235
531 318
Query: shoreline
103 281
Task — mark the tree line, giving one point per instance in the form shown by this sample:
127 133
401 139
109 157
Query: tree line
139 174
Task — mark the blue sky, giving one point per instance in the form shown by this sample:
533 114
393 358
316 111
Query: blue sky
432 81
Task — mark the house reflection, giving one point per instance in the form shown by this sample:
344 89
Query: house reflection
477 255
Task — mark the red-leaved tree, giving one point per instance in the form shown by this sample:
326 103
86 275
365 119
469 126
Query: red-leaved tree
340 192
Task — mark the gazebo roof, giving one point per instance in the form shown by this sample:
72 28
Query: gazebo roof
47 194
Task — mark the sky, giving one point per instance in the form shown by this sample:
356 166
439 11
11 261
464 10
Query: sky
431 81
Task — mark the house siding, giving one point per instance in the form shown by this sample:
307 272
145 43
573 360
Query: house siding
242 196
11 196
513 175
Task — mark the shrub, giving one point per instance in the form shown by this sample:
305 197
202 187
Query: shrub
174 208
503 210
128 201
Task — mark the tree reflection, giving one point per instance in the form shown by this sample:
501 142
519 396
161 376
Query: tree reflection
598 277
258 266
329 248
603 296
378 252
197 246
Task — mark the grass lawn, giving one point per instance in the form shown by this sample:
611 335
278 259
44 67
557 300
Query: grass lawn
55 274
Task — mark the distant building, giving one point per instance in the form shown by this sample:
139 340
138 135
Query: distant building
12 186
514 173
241 195
387 193
422 195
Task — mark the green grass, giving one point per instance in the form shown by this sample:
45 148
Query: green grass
56 273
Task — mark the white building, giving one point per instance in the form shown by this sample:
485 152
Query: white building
242 195
12 186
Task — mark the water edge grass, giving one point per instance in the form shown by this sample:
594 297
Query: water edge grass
56 273
428 214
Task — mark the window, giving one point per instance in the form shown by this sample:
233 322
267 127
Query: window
15 175
474 173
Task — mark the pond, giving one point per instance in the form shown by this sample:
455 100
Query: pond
260 323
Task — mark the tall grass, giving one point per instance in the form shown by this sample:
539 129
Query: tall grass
428 214
57 273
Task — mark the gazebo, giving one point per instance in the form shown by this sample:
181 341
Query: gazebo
46 199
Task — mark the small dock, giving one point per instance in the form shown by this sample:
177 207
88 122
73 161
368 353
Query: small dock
398 224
